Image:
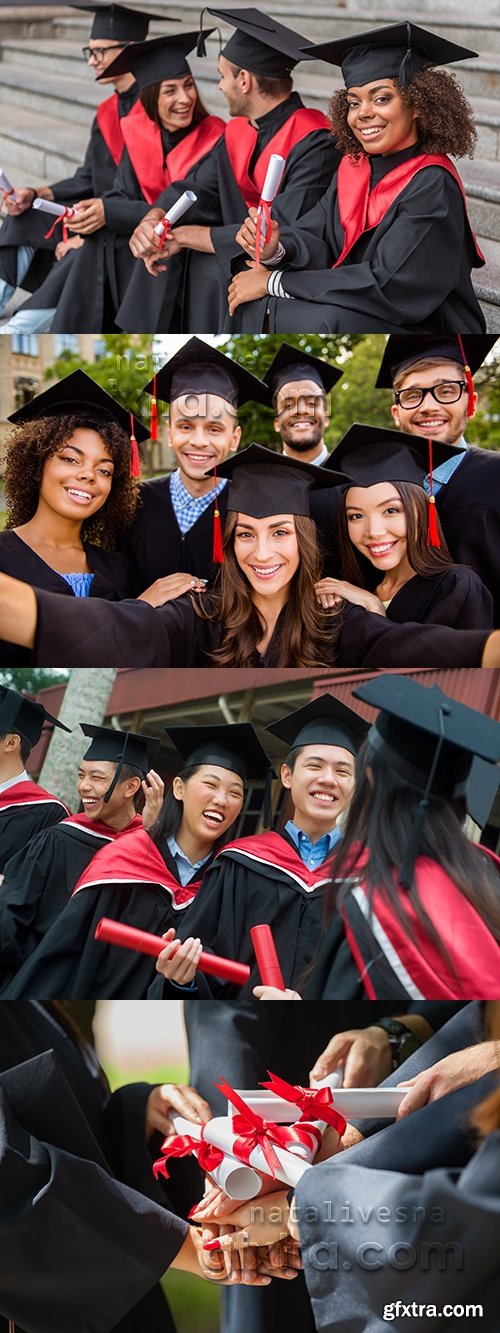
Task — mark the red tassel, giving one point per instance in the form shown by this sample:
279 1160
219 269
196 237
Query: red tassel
135 462
154 413
433 538
468 379
218 550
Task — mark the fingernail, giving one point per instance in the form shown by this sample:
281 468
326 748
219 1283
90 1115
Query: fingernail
212 1245
193 1211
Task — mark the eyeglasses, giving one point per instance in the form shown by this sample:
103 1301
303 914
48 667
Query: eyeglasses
449 391
98 52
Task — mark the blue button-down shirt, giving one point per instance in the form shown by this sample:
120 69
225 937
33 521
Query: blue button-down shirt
445 471
185 868
312 853
188 508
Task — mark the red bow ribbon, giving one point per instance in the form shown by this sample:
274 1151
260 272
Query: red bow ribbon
68 213
255 1132
164 233
263 211
315 1103
179 1145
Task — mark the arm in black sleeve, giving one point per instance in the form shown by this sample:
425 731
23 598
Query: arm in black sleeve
124 204
367 639
80 185
127 633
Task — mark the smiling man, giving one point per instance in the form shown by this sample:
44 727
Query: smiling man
172 536
300 384
113 785
282 878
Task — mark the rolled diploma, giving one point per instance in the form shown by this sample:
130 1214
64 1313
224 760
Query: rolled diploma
353 1103
274 176
267 959
290 1170
237 1180
176 211
5 183
130 937
58 210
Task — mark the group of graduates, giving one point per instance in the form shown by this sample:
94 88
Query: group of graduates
385 552
395 1220
371 889
368 231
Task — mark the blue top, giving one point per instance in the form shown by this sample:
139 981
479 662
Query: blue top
80 584
189 508
312 853
445 471
185 868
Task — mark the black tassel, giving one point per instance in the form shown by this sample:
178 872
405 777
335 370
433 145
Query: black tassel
201 49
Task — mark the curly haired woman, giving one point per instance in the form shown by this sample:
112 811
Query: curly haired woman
389 246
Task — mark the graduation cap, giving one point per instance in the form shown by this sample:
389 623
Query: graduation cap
119 747
370 454
119 22
260 44
402 351
24 717
482 788
397 52
324 721
291 363
263 483
429 740
151 62
79 395
233 746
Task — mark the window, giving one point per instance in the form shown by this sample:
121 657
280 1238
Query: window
26 344
65 342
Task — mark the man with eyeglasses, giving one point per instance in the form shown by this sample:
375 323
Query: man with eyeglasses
431 379
26 253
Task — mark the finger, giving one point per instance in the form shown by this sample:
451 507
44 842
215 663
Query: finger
416 1097
333 1054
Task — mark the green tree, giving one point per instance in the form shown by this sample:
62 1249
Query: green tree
31 679
127 364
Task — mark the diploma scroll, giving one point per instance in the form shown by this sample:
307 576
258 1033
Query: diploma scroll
129 937
7 190
289 1169
237 1180
353 1103
60 212
272 182
174 214
267 958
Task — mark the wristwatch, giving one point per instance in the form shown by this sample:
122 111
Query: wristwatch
403 1040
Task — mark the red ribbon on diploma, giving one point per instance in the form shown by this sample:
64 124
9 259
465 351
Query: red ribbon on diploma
180 1145
255 1132
61 218
263 214
315 1103
164 233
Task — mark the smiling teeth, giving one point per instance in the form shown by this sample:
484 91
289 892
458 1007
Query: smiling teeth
323 796
84 495
382 550
273 570
213 814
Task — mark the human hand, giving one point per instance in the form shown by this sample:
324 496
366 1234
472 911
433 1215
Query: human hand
247 235
331 592
178 1097
454 1071
178 962
491 651
91 217
170 587
247 286
272 993
73 243
18 203
262 1221
364 1053
153 787
143 240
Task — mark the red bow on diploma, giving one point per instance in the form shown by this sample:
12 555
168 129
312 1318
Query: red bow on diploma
179 1145
166 228
255 1132
61 218
315 1104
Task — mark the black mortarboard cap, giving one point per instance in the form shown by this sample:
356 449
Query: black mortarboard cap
24 717
324 721
151 62
119 23
292 363
403 350
233 746
370 454
263 483
260 44
78 395
482 788
119 747
397 52
199 369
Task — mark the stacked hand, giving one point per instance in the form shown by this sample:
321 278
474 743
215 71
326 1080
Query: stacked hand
253 1238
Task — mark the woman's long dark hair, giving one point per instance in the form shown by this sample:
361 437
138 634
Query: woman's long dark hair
170 817
305 638
380 823
424 560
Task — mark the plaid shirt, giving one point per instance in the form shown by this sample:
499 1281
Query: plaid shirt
188 508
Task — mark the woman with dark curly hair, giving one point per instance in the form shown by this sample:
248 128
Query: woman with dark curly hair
393 556
69 493
389 247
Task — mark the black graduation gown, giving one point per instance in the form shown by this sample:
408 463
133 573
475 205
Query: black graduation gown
411 273
25 809
72 1161
154 544
469 508
133 633
111 580
39 880
198 281
71 963
457 598
89 181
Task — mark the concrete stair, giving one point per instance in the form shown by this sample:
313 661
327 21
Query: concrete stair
48 97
